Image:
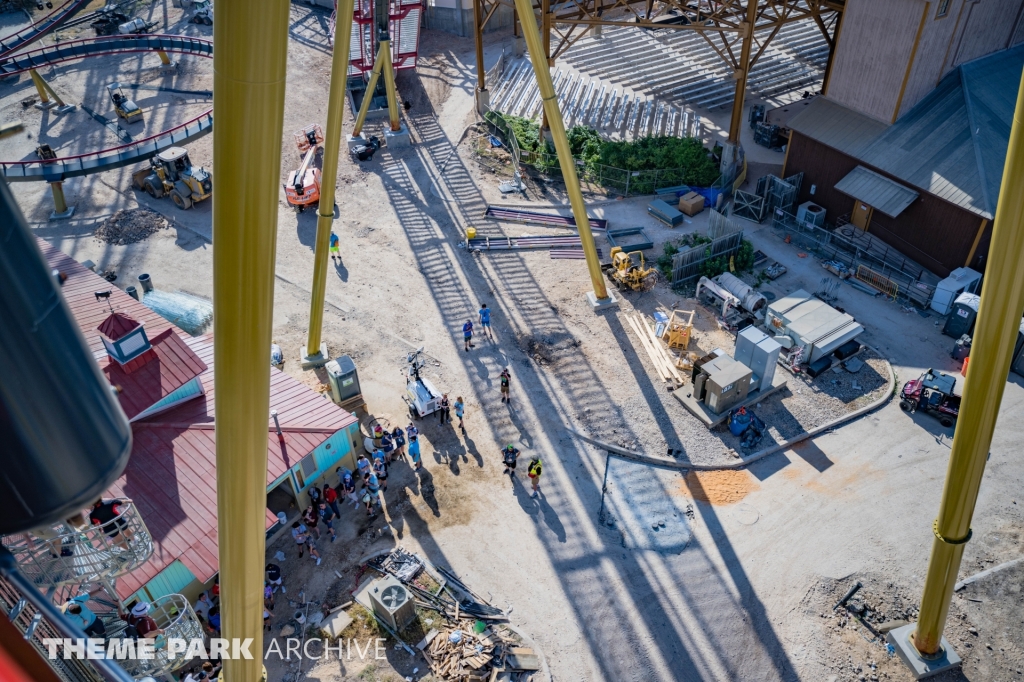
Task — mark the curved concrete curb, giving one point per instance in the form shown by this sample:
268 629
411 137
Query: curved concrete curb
749 459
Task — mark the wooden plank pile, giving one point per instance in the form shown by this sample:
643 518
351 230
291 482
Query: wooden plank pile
662 359
457 653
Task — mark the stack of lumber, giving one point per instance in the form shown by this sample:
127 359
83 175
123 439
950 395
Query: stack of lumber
664 362
456 653
513 215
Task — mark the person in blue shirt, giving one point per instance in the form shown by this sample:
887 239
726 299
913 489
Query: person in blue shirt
82 616
485 320
467 334
335 249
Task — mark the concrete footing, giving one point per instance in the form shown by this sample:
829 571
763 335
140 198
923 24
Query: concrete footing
483 101
354 142
63 215
519 47
311 361
170 67
65 108
43 106
397 138
602 303
921 667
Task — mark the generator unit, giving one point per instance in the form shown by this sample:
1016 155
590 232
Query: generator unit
392 602
760 353
720 382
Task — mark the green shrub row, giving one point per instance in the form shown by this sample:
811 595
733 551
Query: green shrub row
680 161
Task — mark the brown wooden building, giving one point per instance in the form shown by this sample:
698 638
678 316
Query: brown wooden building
928 183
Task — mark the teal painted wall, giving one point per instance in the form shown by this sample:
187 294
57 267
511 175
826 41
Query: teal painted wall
171 580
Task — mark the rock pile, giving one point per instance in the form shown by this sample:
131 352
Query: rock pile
129 226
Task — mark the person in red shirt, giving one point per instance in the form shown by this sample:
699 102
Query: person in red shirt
140 619
331 498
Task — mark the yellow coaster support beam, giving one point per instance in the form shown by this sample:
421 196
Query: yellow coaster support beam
565 161
329 177
60 204
736 121
1002 302
248 96
378 64
389 86
42 87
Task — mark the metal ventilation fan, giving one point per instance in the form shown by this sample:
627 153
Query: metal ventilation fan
392 602
394 596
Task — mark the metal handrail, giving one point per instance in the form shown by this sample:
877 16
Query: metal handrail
49 621
175 616
64 554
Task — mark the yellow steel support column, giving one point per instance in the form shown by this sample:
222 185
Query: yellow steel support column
164 59
389 86
329 177
736 121
378 63
60 204
40 84
248 96
1002 301
565 160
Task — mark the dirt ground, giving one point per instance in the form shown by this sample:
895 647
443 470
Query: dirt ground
731 581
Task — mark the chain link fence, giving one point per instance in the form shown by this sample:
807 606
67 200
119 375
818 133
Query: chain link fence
890 271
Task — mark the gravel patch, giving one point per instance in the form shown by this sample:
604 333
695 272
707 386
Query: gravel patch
130 226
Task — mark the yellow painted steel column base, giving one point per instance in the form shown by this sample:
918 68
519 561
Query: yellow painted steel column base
61 211
921 665
602 303
165 62
308 361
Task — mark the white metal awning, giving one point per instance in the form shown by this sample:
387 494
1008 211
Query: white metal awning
877 191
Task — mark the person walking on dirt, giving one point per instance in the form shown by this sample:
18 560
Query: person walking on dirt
380 468
508 457
534 471
485 320
348 486
444 409
328 516
335 249
331 498
387 444
310 518
299 534
506 380
460 409
363 464
467 334
414 453
398 436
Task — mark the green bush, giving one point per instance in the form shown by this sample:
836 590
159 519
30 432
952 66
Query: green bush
664 261
680 161
744 259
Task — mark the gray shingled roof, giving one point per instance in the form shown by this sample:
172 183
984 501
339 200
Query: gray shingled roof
877 191
951 144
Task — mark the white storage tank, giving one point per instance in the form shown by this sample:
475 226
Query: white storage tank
960 281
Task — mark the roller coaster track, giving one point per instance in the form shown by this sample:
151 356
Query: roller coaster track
29 34
65 167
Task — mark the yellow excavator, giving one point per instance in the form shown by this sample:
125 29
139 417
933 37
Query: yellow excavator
627 274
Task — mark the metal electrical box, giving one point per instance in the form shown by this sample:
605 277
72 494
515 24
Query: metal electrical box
763 358
344 379
727 383
746 341
392 602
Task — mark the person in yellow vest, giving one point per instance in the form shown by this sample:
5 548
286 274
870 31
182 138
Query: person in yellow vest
534 471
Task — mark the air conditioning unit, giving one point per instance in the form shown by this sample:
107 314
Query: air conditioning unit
810 212
392 602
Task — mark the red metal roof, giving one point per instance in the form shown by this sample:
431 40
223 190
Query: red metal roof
117 325
172 472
